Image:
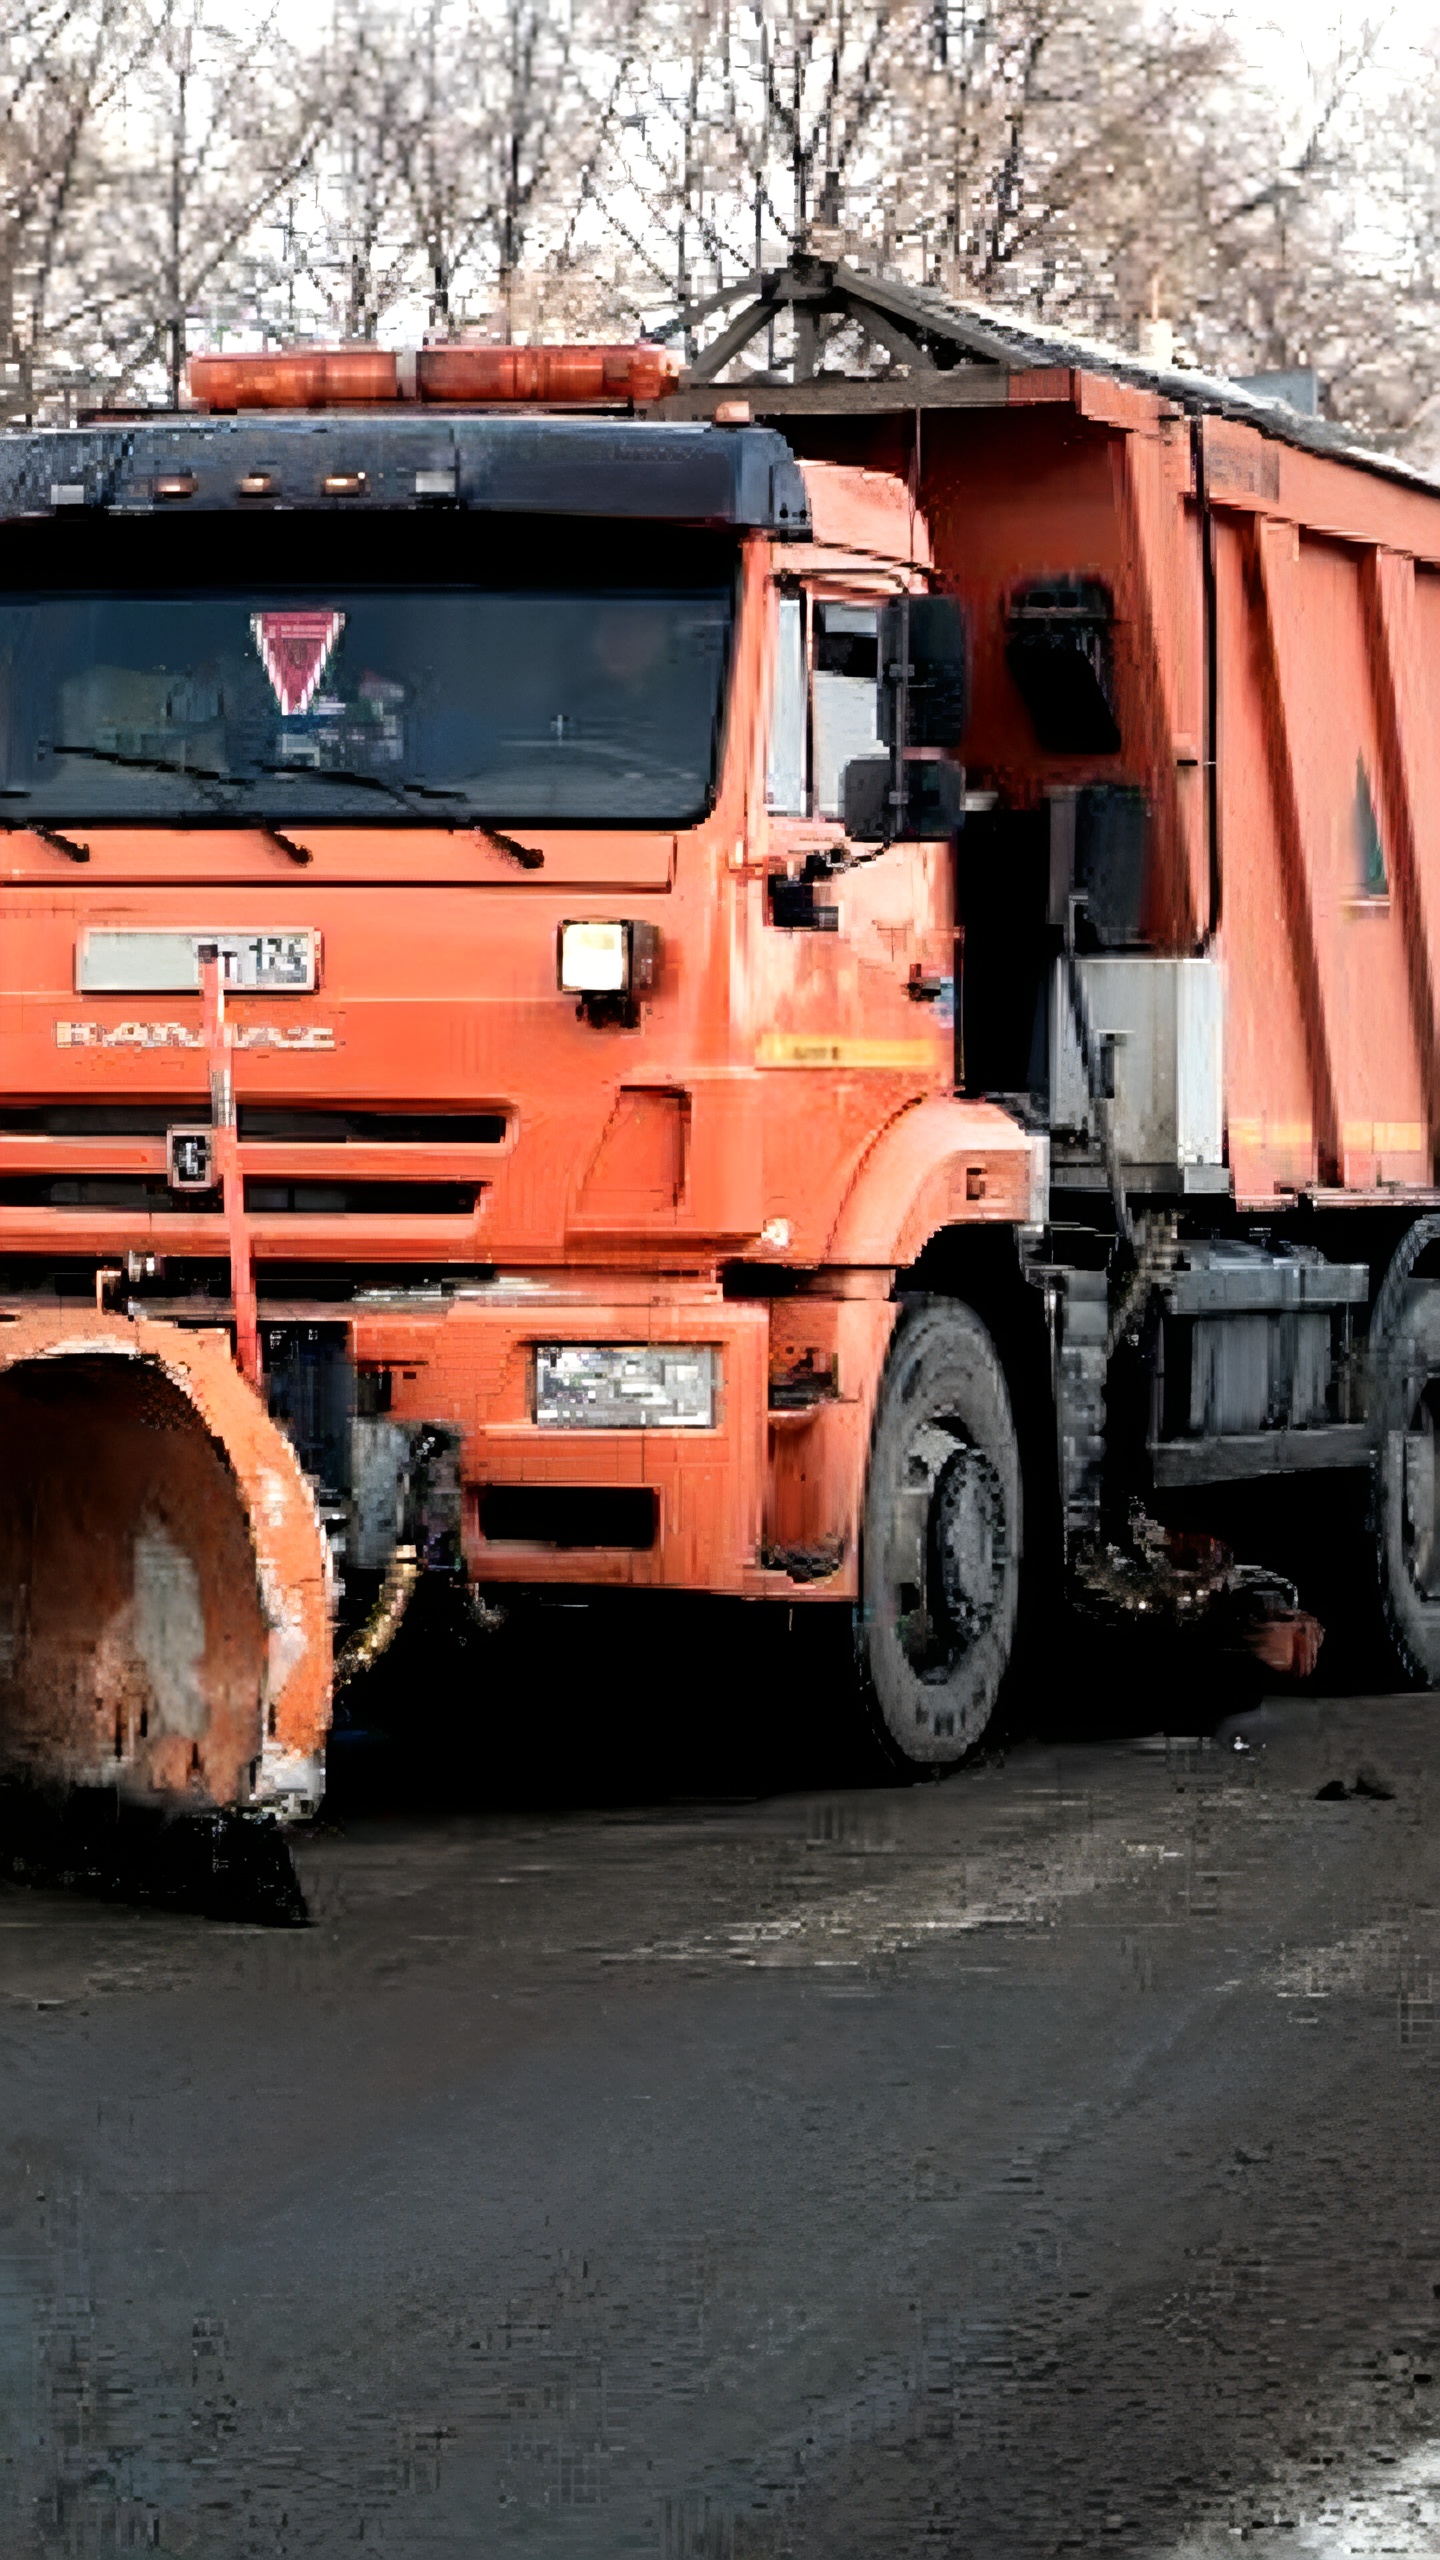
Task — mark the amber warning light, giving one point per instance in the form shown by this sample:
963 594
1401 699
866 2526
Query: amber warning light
468 376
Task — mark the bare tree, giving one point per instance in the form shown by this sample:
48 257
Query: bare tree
1037 148
64 65
453 140
220 121
346 245
515 165
992 149
1093 162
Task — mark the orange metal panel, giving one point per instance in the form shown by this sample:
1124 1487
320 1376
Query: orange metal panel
1270 1107
1275 558
1407 734
1041 384
198 858
817 1456
1260 475
1117 404
940 1164
1014 496
867 511
1370 1094
474 1365
1158 608
101 1234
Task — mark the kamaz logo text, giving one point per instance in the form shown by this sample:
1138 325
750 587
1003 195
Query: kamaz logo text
180 1035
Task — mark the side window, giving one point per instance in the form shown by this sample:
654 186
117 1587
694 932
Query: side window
785 777
843 701
1369 849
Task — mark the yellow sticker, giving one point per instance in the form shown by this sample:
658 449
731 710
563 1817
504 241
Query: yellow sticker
817 1049
187 1035
1271 1133
1384 1137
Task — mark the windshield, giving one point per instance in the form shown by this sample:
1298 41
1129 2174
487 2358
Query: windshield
437 667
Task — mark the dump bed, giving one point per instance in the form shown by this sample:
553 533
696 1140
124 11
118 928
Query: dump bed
1267 606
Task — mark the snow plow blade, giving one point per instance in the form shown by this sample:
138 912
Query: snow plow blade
164 1582
231 1865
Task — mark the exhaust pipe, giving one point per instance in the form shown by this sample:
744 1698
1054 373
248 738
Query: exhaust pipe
165 1626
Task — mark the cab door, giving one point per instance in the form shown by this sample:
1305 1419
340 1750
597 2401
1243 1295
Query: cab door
859 939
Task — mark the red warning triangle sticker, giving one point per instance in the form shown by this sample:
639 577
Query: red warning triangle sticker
295 651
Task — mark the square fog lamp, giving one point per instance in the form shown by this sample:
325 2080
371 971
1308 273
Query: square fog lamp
625 1386
611 958
594 959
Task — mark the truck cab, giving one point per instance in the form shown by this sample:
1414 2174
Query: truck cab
582 889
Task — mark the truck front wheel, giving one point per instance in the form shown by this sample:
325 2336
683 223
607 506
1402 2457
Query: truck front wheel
940 1551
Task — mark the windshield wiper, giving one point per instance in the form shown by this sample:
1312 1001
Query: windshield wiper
147 764
405 793
529 856
201 773
287 844
47 835
204 775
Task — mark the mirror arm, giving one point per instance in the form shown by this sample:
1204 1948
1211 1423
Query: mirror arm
901 738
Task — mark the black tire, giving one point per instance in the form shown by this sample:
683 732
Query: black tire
941 1539
1405 1498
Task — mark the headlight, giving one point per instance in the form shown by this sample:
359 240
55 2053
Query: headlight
625 1386
610 959
594 959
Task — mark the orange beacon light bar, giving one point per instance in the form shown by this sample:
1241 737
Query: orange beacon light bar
365 377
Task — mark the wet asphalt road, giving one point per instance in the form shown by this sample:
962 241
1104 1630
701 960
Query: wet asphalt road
1043 2161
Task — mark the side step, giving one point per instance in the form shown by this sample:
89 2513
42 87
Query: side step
1233 1457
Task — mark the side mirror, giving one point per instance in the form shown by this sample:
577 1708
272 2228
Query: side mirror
925 635
933 801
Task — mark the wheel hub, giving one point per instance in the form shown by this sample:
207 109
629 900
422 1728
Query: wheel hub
1420 1527
949 1550
971 1543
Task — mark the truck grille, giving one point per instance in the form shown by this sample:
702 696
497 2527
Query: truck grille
568 1515
264 1198
278 1124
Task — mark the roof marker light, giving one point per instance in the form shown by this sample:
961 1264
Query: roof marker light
458 374
294 378
565 375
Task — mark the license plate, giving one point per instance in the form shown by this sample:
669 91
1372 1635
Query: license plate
118 963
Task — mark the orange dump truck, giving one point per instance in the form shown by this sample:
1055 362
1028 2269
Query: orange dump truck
836 1007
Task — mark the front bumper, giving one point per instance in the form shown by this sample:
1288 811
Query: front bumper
652 1507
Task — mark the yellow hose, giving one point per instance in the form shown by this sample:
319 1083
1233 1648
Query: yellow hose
380 1628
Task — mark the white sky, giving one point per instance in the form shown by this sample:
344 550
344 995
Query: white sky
1280 33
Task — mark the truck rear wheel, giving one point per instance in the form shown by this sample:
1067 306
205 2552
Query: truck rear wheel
1406 1502
940 1551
